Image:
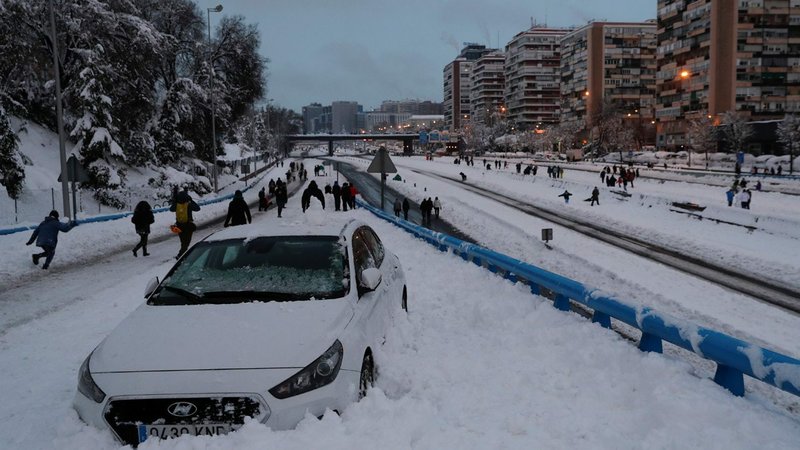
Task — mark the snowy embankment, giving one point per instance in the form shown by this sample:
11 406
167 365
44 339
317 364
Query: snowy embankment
42 191
636 280
478 363
88 242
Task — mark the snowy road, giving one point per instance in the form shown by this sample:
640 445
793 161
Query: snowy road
479 363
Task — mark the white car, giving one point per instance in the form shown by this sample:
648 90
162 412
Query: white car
266 322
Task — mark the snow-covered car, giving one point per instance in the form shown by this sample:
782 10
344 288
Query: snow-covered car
263 322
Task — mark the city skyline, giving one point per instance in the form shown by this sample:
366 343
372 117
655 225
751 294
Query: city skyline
370 51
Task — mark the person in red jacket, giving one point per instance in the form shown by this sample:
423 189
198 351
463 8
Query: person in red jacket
353 193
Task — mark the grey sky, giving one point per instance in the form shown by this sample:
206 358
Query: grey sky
369 51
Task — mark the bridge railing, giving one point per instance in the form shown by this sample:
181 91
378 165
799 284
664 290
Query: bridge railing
734 357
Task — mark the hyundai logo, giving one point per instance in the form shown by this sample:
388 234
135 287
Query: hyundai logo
182 409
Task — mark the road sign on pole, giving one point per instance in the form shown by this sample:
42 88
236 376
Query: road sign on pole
382 164
75 174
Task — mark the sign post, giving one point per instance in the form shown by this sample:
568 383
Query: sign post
75 174
382 164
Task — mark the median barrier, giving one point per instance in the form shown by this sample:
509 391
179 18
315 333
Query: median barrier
734 357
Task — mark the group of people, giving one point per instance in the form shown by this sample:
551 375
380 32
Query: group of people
344 196
743 197
555 172
427 207
468 160
626 176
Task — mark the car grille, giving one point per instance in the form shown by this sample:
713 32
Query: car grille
124 415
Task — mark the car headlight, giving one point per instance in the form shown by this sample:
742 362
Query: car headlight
315 375
86 384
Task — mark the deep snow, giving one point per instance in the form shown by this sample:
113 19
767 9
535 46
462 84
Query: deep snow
478 363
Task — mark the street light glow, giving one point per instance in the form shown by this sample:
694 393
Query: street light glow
684 73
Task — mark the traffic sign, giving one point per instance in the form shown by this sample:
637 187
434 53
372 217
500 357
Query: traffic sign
382 163
75 172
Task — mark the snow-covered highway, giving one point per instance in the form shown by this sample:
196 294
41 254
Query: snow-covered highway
479 363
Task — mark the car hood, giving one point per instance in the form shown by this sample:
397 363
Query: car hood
238 336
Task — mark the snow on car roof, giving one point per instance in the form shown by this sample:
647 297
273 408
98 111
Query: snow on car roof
313 223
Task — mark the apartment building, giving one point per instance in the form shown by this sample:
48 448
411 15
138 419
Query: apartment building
716 56
532 76
611 62
487 91
457 77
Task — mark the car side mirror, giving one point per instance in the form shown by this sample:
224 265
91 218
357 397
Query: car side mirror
151 286
370 279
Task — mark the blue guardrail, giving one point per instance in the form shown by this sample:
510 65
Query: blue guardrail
117 216
734 357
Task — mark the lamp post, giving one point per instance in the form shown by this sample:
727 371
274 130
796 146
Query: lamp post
218 8
59 113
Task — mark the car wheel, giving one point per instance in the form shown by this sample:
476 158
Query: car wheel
404 302
367 379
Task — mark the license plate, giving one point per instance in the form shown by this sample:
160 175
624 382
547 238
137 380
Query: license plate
172 431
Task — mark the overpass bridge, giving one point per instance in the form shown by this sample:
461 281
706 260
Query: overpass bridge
406 139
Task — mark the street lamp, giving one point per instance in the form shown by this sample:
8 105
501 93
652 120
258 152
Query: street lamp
59 113
218 8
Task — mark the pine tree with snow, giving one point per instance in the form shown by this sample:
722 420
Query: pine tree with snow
12 173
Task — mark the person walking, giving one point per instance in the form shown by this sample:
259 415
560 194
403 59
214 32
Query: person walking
238 211
353 194
281 196
142 219
345 196
437 206
566 196
398 206
312 191
746 196
730 193
183 206
336 190
46 237
406 207
595 197
262 200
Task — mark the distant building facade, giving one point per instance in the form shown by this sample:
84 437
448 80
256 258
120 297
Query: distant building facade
532 76
487 100
457 86
716 56
310 113
611 62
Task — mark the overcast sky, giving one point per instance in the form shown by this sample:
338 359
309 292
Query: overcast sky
373 50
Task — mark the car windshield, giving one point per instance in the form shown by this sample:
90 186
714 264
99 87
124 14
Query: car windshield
277 268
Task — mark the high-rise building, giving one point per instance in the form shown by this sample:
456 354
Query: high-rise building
458 84
716 56
488 83
532 76
344 118
411 107
611 62
311 112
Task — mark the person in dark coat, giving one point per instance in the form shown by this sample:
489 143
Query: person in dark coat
336 190
46 237
345 196
397 206
406 207
183 206
423 209
142 218
281 196
567 194
595 196
327 188
262 200
312 191
238 211
271 187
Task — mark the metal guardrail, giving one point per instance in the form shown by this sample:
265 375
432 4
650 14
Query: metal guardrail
108 217
733 356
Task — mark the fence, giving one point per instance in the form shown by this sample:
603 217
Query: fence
108 217
734 357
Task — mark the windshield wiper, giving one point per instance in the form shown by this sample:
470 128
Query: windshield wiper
183 292
255 295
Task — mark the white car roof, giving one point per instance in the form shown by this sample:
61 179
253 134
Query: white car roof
331 226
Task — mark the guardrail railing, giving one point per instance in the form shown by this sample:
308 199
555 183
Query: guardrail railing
122 215
734 357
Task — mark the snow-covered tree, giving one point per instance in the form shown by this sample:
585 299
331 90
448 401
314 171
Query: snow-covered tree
701 135
736 129
12 173
789 136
